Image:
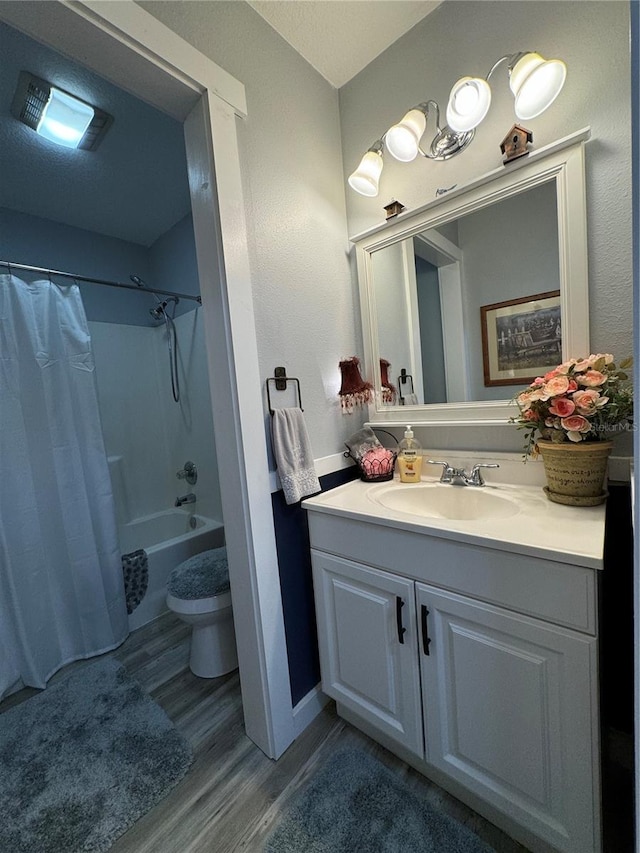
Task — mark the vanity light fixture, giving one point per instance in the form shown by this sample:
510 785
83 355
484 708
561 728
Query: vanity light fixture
57 115
534 82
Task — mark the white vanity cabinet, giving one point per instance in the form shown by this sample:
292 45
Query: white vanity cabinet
476 665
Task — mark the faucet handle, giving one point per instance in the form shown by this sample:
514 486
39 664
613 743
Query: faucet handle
447 470
476 475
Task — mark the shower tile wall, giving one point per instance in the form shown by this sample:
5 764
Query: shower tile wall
148 435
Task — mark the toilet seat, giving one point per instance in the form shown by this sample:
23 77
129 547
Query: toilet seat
199 605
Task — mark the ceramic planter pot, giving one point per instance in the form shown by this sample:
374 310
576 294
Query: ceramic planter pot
575 472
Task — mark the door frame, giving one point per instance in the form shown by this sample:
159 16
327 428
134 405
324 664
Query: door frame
132 49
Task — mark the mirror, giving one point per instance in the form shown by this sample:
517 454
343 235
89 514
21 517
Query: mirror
478 292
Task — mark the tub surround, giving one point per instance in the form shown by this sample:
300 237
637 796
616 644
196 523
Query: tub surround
168 540
480 663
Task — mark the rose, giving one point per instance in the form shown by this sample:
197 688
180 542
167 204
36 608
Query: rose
592 378
556 386
575 425
589 401
563 406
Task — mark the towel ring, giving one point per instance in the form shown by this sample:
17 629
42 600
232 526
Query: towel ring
280 379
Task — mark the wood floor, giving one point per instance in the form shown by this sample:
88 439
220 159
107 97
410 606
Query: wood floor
233 794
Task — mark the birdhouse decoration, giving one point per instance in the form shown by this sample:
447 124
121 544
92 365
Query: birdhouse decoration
514 145
393 208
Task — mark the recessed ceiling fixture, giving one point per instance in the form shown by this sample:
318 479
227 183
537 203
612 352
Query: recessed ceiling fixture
57 115
534 82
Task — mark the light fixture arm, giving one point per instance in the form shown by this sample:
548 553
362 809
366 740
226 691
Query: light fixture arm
534 82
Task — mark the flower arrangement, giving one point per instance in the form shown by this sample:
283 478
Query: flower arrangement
583 399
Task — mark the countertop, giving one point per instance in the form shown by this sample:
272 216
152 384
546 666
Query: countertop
539 528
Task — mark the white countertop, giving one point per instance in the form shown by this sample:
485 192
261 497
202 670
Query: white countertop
539 528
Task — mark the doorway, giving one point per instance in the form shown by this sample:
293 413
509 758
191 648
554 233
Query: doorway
129 47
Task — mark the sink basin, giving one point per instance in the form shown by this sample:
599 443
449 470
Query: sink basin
434 500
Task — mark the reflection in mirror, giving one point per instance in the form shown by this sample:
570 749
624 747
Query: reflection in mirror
429 290
505 255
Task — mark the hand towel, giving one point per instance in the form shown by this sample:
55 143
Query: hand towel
293 455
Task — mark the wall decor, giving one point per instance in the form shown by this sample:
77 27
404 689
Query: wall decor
521 338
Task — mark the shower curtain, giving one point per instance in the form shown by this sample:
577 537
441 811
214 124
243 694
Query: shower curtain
61 584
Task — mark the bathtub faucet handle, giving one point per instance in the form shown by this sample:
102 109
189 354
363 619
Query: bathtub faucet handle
186 499
188 473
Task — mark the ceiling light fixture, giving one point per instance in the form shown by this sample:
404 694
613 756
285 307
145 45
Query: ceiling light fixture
57 115
534 82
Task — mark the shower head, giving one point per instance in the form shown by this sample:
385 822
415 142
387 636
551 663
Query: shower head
158 313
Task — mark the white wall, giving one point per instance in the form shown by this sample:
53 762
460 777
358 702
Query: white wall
305 303
466 38
148 436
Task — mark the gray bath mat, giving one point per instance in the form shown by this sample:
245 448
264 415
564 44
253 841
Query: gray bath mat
354 804
81 761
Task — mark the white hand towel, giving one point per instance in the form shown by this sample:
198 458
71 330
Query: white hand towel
293 455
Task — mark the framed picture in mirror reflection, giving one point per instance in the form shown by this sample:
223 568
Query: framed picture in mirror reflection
521 338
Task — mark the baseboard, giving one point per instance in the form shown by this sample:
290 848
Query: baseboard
308 709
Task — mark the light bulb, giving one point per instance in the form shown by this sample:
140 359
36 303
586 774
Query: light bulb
366 177
403 139
469 103
536 83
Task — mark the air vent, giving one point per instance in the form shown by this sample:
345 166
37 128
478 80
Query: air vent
32 96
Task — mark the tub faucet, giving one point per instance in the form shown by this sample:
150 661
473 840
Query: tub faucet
186 499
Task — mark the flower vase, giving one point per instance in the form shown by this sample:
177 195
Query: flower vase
575 471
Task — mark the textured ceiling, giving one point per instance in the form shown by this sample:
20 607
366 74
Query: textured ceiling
133 187
340 38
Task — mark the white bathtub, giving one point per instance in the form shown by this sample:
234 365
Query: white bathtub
168 540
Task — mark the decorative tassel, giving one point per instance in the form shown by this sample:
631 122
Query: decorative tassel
354 390
388 390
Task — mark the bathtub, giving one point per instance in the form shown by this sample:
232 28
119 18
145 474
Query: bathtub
167 539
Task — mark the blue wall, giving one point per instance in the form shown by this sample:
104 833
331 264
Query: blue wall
170 263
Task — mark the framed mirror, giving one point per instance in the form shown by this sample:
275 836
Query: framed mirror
476 293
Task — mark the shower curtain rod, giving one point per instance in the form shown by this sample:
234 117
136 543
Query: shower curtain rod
90 280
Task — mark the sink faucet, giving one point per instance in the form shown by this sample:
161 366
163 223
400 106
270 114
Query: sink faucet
459 477
186 499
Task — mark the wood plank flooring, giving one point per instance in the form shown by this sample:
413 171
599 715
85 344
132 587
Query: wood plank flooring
233 794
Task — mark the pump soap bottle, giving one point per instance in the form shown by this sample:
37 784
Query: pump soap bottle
409 458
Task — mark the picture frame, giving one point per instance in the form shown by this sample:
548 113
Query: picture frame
521 338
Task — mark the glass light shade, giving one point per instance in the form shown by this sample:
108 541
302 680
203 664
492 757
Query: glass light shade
403 139
64 119
366 177
469 103
536 83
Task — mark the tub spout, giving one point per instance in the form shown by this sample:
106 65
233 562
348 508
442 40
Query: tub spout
186 499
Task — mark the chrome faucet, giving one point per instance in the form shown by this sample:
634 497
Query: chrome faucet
459 477
186 499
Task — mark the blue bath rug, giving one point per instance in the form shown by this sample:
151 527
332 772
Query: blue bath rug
135 570
81 761
354 804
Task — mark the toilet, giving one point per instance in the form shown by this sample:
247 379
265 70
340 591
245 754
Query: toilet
198 592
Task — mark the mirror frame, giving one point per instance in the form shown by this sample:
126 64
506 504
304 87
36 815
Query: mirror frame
561 161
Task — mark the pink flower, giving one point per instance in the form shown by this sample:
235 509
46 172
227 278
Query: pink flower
575 426
550 374
562 407
555 387
573 386
530 415
587 402
592 378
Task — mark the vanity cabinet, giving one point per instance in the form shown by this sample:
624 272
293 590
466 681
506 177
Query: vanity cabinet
465 662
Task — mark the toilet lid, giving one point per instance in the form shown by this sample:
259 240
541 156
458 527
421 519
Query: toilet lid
201 576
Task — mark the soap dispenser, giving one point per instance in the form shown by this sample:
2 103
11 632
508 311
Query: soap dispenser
409 458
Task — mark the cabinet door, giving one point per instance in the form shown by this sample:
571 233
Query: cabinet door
368 645
511 714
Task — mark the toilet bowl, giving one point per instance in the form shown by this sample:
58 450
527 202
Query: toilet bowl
198 593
